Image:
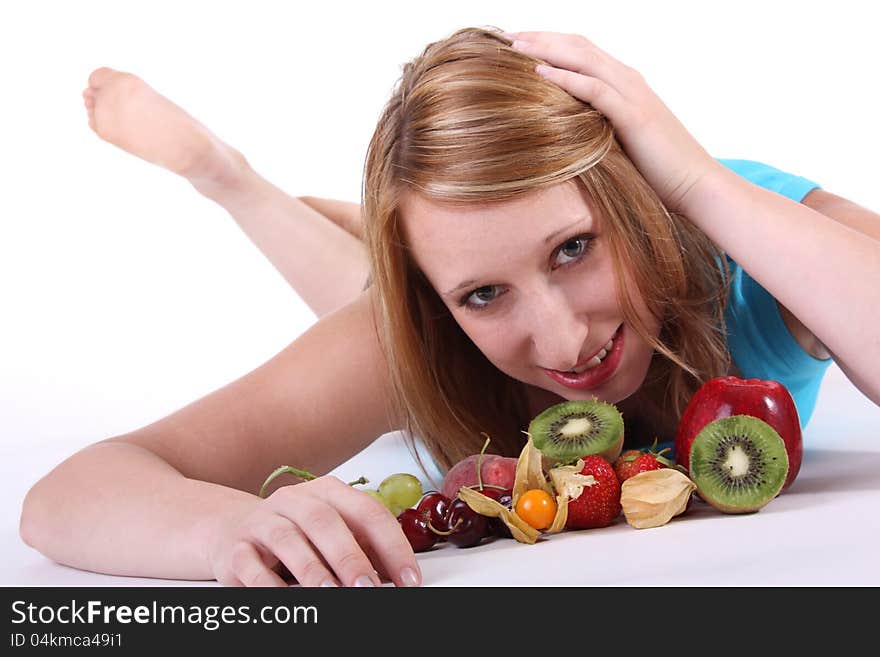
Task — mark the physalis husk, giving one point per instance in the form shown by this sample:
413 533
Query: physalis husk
653 498
521 531
529 473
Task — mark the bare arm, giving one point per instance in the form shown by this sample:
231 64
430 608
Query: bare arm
849 214
177 498
858 218
831 265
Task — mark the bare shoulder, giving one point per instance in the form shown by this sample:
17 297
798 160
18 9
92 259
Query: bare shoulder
315 404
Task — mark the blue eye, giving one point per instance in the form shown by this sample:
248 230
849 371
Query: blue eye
577 245
574 249
480 293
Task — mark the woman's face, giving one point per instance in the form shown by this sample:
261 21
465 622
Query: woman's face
531 282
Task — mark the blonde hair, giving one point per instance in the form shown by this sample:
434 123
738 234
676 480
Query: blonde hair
471 121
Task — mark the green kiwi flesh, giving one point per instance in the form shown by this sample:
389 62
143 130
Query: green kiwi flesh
739 463
572 429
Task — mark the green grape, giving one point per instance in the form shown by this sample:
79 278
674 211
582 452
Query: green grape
400 491
396 510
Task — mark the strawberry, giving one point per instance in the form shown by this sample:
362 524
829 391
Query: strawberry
634 461
623 466
598 505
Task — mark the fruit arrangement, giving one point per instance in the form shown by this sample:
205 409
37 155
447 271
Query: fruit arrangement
737 447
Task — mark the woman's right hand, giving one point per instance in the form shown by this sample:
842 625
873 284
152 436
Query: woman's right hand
323 531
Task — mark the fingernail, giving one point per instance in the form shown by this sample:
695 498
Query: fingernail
543 71
328 582
363 580
408 577
519 44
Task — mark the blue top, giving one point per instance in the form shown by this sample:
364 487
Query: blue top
760 343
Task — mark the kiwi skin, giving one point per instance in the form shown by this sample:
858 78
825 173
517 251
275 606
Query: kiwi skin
559 451
712 445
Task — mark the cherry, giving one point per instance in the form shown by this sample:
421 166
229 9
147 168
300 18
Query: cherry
415 528
467 526
505 498
492 491
436 505
496 525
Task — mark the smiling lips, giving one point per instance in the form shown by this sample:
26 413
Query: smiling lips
600 367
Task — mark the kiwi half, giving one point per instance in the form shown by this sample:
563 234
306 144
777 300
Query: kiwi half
573 429
739 463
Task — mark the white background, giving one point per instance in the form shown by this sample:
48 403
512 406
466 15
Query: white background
125 295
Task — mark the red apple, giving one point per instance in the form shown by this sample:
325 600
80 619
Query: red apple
495 470
728 395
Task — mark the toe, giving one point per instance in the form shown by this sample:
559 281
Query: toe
100 76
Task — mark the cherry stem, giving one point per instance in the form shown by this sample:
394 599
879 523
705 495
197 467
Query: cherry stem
302 474
480 460
442 533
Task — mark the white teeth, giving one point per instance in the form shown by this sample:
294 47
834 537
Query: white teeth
595 360
590 364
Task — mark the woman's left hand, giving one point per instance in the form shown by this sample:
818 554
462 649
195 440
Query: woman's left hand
665 153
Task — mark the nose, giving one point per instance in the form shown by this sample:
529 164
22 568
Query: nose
557 330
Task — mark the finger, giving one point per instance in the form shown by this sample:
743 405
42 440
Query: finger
375 527
288 543
276 564
549 37
321 523
249 569
590 90
579 56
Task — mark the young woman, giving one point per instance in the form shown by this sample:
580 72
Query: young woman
534 235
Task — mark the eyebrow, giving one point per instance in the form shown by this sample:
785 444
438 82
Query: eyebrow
547 239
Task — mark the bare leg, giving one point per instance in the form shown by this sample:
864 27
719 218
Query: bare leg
307 240
343 213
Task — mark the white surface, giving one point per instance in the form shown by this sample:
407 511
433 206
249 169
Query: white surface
126 296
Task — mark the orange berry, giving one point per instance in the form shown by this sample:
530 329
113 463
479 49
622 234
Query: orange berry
537 508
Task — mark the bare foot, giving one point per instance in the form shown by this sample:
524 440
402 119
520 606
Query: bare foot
125 111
